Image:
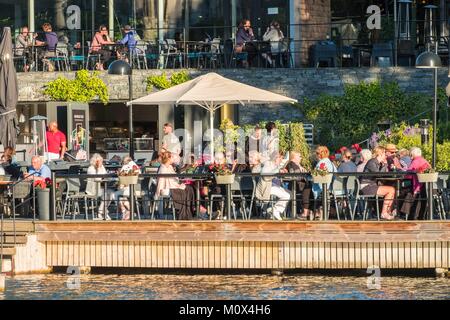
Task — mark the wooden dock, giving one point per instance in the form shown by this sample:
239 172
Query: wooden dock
247 245
234 245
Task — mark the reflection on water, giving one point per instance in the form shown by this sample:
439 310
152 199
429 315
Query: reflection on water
94 286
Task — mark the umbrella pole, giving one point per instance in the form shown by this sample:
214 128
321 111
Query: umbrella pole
211 126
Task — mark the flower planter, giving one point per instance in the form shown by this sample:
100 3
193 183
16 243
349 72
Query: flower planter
427 177
43 199
226 179
127 180
323 179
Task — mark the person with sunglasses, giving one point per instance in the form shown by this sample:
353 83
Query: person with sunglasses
101 38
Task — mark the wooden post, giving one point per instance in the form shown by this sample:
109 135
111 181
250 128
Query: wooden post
2 282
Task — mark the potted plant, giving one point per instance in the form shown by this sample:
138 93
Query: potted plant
222 173
42 187
428 175
321 175
129 174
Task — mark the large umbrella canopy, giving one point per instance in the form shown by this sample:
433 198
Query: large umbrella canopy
211 91
8 92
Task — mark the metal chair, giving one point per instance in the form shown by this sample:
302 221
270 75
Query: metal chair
324 52
163 201
439 195
73 197
91 56
382 55
139 56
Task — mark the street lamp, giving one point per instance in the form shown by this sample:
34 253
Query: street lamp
122 68
430 60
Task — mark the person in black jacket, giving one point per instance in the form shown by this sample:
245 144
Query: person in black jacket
369 185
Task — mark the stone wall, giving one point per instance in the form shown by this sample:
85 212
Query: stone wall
295 83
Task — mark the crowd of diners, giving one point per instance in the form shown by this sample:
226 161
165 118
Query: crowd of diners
46 43
263 158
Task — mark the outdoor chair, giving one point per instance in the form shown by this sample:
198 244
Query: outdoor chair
382 55
138 194
73 196
61 58
323 52
92 58
139 56
170 51
439 195
238 196
163 201
363 200
405 51
21 192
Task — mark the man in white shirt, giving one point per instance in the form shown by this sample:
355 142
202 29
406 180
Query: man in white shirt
268 186
171 143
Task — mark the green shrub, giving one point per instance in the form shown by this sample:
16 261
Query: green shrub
351 118
162 82
86 87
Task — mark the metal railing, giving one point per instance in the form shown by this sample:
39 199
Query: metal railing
147 197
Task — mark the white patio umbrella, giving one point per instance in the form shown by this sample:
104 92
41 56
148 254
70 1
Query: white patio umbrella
211 91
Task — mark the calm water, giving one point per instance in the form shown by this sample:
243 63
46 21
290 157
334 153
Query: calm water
94 286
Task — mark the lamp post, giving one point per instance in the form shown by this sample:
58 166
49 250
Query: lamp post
122 68
424 134
430 60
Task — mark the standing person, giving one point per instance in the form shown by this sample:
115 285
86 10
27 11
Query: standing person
101 38
268 186
244 38
171 143
23 41
56 142
93 187
129 40
275 36
48 40
369 185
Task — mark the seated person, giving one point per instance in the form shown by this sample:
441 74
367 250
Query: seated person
322 154
347 165
48 40
9 164
93 186
23 41
369 185
275 36
303 185
244 38
268 186
128 165
101 38
38 170
415 201
183 195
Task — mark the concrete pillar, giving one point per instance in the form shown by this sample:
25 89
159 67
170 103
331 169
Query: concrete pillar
165 114
2 282
111 18
312 22
233 18
31 16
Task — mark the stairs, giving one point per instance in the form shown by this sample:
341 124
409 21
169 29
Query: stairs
22 229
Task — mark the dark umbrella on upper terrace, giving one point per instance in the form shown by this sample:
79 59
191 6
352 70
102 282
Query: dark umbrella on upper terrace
9 127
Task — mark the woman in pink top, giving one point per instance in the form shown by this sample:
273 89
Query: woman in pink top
415 201
101 38
183 195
